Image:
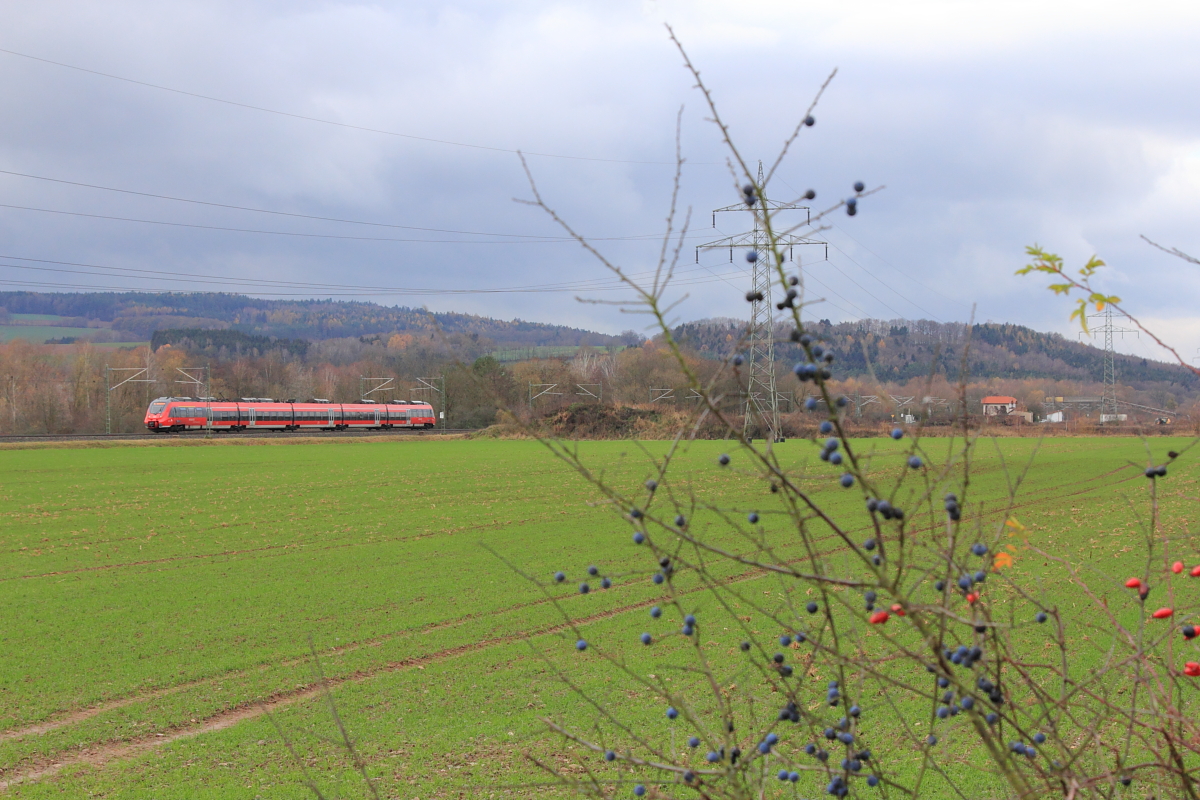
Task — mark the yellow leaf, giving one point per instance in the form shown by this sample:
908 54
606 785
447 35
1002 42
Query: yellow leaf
1100 306
1002 560
1012 523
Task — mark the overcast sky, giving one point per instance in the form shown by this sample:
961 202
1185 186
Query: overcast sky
992 126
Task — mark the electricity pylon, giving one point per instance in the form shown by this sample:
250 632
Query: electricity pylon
762 399
1108 399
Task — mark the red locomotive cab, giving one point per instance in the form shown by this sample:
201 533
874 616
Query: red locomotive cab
155 416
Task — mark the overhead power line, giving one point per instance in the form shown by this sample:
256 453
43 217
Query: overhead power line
517 238
258 285
306 118
295 214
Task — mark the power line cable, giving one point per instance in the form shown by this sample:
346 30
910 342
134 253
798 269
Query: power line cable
301 216
890 264
265 110
529 240
598 284
885 284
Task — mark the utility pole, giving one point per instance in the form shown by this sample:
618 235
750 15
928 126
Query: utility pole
436 385
1108 398
201 390
136 377
762 399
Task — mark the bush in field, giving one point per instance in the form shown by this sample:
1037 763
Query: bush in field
902 651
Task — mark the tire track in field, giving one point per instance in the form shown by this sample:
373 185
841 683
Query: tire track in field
83 715
100 755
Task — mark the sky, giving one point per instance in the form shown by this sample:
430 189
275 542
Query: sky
369 151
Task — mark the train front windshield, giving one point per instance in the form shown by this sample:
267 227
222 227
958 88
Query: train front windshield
157 407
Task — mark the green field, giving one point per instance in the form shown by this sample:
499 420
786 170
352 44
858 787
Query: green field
157 597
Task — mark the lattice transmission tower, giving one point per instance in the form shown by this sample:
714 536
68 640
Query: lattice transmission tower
1108 399
762 398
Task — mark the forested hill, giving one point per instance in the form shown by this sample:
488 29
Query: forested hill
898 350
143 314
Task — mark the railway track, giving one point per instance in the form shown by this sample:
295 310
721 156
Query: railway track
271 434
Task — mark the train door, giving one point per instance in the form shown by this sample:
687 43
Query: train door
251 417
332 417
377 418
208 417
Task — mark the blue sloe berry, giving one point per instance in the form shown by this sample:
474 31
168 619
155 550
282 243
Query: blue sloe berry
584 588
694 742
752 256
847 480
855 711
1039 738
658 577
810 120
593 570
979 549
872 780
991 718
931 740
656 612
810 404
605 583
1041 616
690 619
559 577
831 443
939 585
914 462
609 755
639 790
785 640
738 360
680 521
646 638
712 757
811 607
671 712
810 748
859 186
687 630
581 645
826 427
793 776
968 703
723 460
752 518
835 458
639 537
783 775
897 433
869 544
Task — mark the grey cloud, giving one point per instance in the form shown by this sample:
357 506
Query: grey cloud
1076 135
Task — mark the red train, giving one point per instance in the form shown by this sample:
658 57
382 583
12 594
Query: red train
175 414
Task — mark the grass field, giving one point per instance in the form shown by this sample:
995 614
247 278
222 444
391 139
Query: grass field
158 599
